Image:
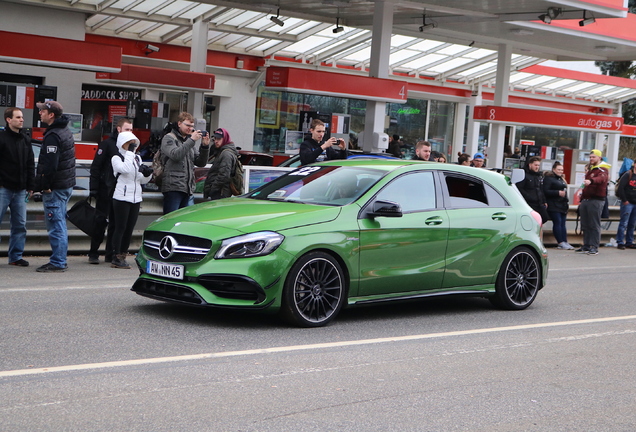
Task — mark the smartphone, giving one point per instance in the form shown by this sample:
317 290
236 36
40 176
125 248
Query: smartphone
26 198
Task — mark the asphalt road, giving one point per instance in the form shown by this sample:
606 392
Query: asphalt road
80 352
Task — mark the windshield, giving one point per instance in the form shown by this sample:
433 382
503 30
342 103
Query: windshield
331 185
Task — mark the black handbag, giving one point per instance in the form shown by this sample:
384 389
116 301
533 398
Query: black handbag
86 217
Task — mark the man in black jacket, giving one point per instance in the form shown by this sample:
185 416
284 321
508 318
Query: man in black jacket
627 194
17 174
102 185
531 187
312 148
55 178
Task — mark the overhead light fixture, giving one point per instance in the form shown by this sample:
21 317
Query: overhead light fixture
551 14
424 26
585 21
554 12
276 19
605 48
338 28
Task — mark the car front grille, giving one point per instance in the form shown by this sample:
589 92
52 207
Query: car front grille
183 248
166 291
233 287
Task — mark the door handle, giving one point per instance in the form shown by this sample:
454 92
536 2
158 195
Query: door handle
499 216
435 220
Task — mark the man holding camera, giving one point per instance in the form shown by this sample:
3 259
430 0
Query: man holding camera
313 147
102 186
178 149
55 178
17 173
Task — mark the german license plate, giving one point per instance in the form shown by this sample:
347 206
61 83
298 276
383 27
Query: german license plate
173 271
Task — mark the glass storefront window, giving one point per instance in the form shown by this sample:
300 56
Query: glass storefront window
279 112
547 137
441 126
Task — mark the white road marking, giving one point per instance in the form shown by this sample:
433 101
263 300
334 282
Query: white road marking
96 286
594 269
138 362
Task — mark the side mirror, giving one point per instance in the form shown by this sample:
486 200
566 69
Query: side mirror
517 175
384 209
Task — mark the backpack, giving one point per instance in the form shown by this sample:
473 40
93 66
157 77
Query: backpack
619 182
158 165
158 161
237 178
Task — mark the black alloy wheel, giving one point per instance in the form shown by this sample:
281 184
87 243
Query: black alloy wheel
519 280
314 291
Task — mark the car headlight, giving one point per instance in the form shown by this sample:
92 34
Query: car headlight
250 245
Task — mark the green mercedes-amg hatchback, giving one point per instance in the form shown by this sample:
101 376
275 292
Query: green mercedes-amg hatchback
345 233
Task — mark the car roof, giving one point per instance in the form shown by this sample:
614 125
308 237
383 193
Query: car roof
394 164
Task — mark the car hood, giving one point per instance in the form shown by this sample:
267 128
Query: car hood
249 215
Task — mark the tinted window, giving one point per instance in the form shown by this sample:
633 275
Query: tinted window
494 198
329 185
414 192
466 192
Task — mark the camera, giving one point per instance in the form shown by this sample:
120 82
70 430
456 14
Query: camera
145 170
37 197
204 133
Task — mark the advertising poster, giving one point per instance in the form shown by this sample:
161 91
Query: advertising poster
268 113
75 125
293 140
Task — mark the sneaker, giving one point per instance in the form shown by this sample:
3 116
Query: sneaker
593 252
47 268
20 263
93 260
630 246
621 247
582 249
565 246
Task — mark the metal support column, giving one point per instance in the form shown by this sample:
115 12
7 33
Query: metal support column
378 68
472 134
497 138
198 63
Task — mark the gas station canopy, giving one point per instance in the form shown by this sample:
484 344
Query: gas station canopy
442 40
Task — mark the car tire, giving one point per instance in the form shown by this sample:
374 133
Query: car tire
314 291
518 281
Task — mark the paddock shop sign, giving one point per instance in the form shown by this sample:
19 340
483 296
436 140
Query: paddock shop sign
102 93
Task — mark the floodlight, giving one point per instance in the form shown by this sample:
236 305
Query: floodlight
276 19
585 21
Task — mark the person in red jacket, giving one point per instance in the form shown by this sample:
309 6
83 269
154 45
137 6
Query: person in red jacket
592 202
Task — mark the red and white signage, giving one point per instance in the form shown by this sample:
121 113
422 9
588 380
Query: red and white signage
629 131
335 84
539 118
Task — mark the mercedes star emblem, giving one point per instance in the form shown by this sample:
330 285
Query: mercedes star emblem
167 246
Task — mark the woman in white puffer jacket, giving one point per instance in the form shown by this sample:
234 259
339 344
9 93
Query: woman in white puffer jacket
130 174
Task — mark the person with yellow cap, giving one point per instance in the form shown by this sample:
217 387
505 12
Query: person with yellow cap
592 202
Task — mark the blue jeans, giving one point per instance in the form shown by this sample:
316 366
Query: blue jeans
55 204
558 226
14 200
627 223
174 200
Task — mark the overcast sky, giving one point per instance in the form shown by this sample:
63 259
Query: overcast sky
581 66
